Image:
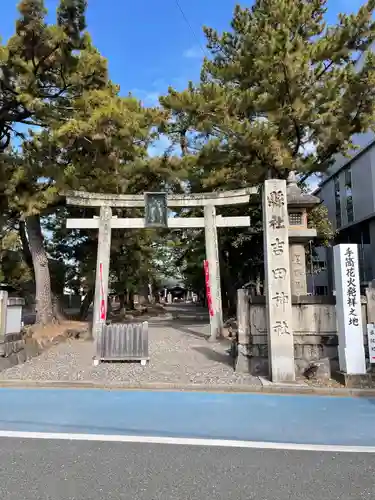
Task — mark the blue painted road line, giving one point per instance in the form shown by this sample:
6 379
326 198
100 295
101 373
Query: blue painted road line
247 417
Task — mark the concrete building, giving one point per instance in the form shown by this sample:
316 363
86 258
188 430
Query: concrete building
348 192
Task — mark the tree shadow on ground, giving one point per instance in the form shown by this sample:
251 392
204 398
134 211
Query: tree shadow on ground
218 357
181 327
190 331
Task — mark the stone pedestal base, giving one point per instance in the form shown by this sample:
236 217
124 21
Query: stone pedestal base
242 363
319 370
259 366
251 365
353 381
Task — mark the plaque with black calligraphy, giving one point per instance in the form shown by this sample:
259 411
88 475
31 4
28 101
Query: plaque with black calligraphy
277 264
277 247
348 309
280 299
351 290
281 328
276 198
279 273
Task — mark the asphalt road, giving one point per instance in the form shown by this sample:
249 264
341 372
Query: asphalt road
250 417
113 445
63 470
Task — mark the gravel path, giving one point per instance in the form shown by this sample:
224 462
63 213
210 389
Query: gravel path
179 353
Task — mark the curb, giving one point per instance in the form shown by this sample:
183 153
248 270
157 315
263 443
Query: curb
155 386
30 348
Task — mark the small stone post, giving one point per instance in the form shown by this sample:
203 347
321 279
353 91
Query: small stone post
102 270
3 319
212 256
277 282
348 310
370 296
297 256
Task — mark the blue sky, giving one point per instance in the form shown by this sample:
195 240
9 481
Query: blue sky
148 43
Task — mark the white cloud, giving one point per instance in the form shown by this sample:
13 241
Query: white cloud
152 98
158 87
194 52
148 97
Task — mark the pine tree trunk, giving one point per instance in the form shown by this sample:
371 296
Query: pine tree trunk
109 306
143 295
43 293
229 291
131 300
122 300
57 308
86 303
25 245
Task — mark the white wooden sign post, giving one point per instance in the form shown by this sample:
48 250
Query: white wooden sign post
348 310
210 222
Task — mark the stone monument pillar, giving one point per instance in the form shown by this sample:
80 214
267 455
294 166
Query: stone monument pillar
277 282
299 233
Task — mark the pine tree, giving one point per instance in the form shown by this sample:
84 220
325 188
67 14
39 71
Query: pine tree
279 92
88 137
100 148
45 68
43 65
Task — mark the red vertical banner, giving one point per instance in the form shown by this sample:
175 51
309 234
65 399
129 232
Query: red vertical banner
208 288
103 312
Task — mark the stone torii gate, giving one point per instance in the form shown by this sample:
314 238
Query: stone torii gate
106 222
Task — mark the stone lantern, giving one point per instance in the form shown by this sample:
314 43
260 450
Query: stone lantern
299 203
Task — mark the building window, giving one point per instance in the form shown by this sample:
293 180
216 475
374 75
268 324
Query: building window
337 202
319 266
349 195
295 218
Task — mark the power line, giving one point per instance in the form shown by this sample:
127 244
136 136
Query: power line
190 27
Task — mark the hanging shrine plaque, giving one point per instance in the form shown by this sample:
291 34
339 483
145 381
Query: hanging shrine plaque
156 213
